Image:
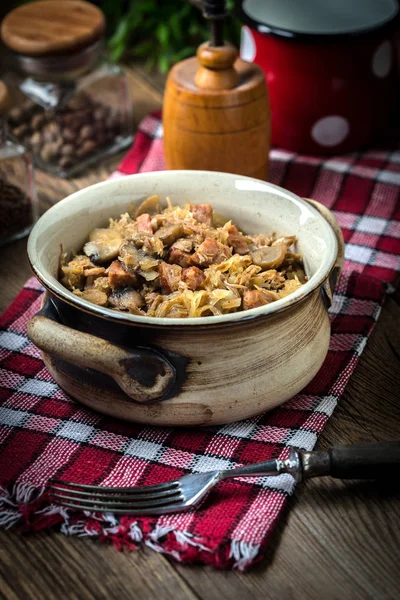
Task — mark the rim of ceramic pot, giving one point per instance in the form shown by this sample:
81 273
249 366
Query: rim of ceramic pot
55 287
289 34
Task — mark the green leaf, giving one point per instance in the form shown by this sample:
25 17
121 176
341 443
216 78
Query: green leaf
162 34
163 63
121 34
175 24
143 49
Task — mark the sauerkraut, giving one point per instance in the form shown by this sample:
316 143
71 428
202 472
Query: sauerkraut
182 261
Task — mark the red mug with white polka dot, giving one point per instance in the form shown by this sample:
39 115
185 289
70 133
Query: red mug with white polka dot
330 69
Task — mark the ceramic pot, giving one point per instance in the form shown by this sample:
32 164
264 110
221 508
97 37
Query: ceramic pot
201 371
330 69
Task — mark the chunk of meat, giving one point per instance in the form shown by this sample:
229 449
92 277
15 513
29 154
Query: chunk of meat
144 223
203 213
126 299
170 277
119 277
256 298
269 257
237 241
210 252
178 257
170 233
193 277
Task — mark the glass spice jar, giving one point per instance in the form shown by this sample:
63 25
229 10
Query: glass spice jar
71 107
18 202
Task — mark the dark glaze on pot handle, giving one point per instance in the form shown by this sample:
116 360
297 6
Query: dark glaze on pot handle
143 374
330 284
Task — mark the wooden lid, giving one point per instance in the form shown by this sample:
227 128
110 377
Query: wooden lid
4 99
52 27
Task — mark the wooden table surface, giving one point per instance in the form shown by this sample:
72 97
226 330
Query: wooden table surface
336 540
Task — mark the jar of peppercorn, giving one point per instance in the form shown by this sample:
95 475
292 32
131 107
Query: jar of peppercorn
70 105
18 203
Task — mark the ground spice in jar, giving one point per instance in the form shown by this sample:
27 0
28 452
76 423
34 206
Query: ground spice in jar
18 202
15 209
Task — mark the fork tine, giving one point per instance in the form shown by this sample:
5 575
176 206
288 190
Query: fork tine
143 489
110 494
163 508
121 504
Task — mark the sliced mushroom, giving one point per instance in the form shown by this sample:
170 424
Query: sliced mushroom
103 245
170 233
93 295
130 255
269 257
126 299
151 205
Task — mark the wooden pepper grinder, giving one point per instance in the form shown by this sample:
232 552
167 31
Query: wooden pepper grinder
216 112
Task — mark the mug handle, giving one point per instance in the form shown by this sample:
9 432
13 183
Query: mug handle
330 284
142 373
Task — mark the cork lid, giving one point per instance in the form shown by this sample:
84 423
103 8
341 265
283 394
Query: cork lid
4 99
52 27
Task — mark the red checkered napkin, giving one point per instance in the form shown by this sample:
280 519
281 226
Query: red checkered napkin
44 434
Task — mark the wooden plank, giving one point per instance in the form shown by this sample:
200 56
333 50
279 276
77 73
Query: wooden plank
53 566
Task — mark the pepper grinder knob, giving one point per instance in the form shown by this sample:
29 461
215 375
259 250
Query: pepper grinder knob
216 70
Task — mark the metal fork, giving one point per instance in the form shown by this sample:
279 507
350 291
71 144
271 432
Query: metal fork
366 461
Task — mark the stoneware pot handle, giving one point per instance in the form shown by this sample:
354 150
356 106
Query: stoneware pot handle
143 374
330 283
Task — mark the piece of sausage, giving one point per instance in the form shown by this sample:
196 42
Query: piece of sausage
237 241
170 277
210 252
118 277
178 257
203 213
256 298
193 277
144 223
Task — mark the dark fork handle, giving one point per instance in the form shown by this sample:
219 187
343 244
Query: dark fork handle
360 461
